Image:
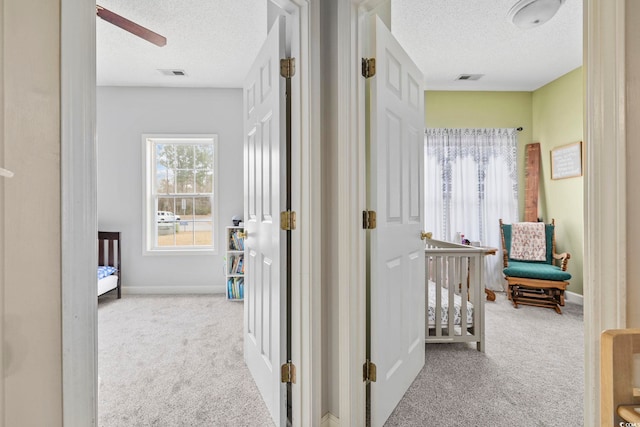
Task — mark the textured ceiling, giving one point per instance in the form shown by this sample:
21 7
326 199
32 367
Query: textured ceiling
447 38
214 42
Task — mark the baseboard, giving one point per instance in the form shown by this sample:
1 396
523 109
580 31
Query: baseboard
172 290
330 420
574 298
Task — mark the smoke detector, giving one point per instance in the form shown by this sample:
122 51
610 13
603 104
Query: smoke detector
531 13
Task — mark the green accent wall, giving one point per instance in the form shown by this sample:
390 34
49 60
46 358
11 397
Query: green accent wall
551 115
558 118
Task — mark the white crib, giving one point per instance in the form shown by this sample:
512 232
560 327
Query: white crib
454 293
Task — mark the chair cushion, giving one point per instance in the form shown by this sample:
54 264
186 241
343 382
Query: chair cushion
533 270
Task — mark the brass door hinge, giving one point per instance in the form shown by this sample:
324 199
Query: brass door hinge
287 220
368 220
369 371
287 67
288 373
368 67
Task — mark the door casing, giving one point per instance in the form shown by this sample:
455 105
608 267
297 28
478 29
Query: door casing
605 197
79 215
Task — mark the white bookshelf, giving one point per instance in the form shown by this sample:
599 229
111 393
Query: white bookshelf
234 264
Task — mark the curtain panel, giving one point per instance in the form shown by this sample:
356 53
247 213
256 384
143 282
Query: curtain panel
471 181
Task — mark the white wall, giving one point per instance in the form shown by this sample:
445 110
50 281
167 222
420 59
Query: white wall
124 114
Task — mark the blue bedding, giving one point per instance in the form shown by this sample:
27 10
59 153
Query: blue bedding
105 270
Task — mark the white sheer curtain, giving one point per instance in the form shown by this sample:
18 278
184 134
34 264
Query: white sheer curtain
471 181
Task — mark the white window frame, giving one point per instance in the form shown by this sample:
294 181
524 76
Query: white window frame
149 229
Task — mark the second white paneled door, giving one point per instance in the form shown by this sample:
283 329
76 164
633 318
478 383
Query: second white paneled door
396 272
265 197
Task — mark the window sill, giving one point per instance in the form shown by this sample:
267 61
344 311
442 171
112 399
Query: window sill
180 252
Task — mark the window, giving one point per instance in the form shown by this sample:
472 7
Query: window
180 197
471 181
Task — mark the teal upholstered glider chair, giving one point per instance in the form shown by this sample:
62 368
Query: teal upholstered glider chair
539 283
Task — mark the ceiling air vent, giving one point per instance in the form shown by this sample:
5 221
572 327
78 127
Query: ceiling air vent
469 76
172 72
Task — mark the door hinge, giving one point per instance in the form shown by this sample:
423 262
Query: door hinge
288 67
287 220
369 371
288 373
368 220
368 67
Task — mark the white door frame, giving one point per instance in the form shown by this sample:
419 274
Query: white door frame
605 198
605 250
79 213
79 216
351 203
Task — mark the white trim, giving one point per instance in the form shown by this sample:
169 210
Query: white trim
605 189
574 298
306 307
352 16
307 264
330 420
79 213
351 202
173 290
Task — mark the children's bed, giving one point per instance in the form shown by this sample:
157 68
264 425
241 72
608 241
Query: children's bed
454 293
109 269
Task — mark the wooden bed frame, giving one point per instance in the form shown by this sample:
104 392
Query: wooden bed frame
109 253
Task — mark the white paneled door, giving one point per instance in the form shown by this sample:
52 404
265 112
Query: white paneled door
397 280
264 175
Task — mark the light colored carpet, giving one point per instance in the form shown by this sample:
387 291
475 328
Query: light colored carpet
174 361
177 361
531 374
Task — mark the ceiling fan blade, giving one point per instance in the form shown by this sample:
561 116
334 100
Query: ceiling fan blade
131 26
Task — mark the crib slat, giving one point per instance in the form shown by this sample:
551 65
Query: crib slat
439 279
464 296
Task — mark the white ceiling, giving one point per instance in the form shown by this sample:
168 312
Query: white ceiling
214 42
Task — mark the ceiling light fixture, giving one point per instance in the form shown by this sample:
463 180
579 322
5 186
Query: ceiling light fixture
531 13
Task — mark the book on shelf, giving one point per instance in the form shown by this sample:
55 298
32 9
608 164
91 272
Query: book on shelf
235 288
236 243
235 263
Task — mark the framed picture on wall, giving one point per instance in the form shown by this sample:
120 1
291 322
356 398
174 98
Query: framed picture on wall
566 161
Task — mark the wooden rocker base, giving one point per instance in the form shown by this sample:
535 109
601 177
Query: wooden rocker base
491 296
539 293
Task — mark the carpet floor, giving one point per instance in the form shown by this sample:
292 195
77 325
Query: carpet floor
174 361
530 375
177 361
